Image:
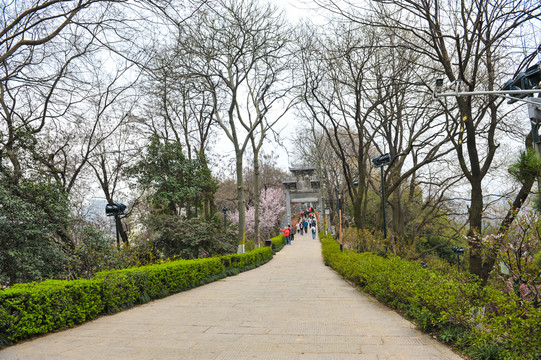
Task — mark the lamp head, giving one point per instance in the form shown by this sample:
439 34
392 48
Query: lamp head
458 250
382 160
115 209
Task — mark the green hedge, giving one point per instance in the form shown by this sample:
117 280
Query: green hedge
481 321
39 308
241 262
128 287
31 309
278 242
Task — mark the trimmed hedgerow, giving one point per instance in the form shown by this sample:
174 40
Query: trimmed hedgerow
277 243
32 309
241 262
128 287
38 308
481 321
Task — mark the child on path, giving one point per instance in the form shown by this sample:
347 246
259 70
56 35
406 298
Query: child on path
313 231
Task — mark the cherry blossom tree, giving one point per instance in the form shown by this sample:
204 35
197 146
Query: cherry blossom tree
272 209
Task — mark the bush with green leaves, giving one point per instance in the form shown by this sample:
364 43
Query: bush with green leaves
94 252
31 309
38 308
481 321
127 287
249 260
277 242
34 245
172 180
191 238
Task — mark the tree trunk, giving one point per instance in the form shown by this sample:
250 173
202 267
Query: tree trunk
357 209
256 197
241 206
397 220
474 233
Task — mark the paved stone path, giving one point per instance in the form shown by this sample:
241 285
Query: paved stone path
291 308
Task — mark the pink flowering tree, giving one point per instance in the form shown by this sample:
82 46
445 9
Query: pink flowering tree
272 209
519 252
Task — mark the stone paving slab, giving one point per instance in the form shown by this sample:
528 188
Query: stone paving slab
292 308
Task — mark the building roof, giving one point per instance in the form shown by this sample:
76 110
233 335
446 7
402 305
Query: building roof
294 168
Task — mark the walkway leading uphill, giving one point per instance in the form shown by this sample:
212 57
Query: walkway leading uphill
290 308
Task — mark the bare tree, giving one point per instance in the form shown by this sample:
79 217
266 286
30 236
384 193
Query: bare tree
408 127
361 94
49 52
469 50
108 162
225 47
465 42
334 67
268 87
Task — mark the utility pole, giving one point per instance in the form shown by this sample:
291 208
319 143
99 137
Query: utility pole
380 162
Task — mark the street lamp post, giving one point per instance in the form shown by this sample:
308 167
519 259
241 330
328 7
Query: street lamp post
380 162
116 210
224 209
340 217
339 208
458 251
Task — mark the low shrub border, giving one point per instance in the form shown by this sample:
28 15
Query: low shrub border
480 321
33 309
277 243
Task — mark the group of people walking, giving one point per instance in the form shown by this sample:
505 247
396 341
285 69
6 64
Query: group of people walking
307 220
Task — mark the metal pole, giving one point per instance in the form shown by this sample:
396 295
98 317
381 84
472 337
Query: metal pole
383 205
490 92
340 216
507 94
117 220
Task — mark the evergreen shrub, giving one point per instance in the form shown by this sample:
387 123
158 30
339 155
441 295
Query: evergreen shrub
248 260
481 321
38 308
128 287
34 308
277 243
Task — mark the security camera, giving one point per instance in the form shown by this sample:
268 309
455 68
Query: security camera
438 88
439 85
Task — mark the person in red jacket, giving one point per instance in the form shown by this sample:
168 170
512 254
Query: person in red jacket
287 232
